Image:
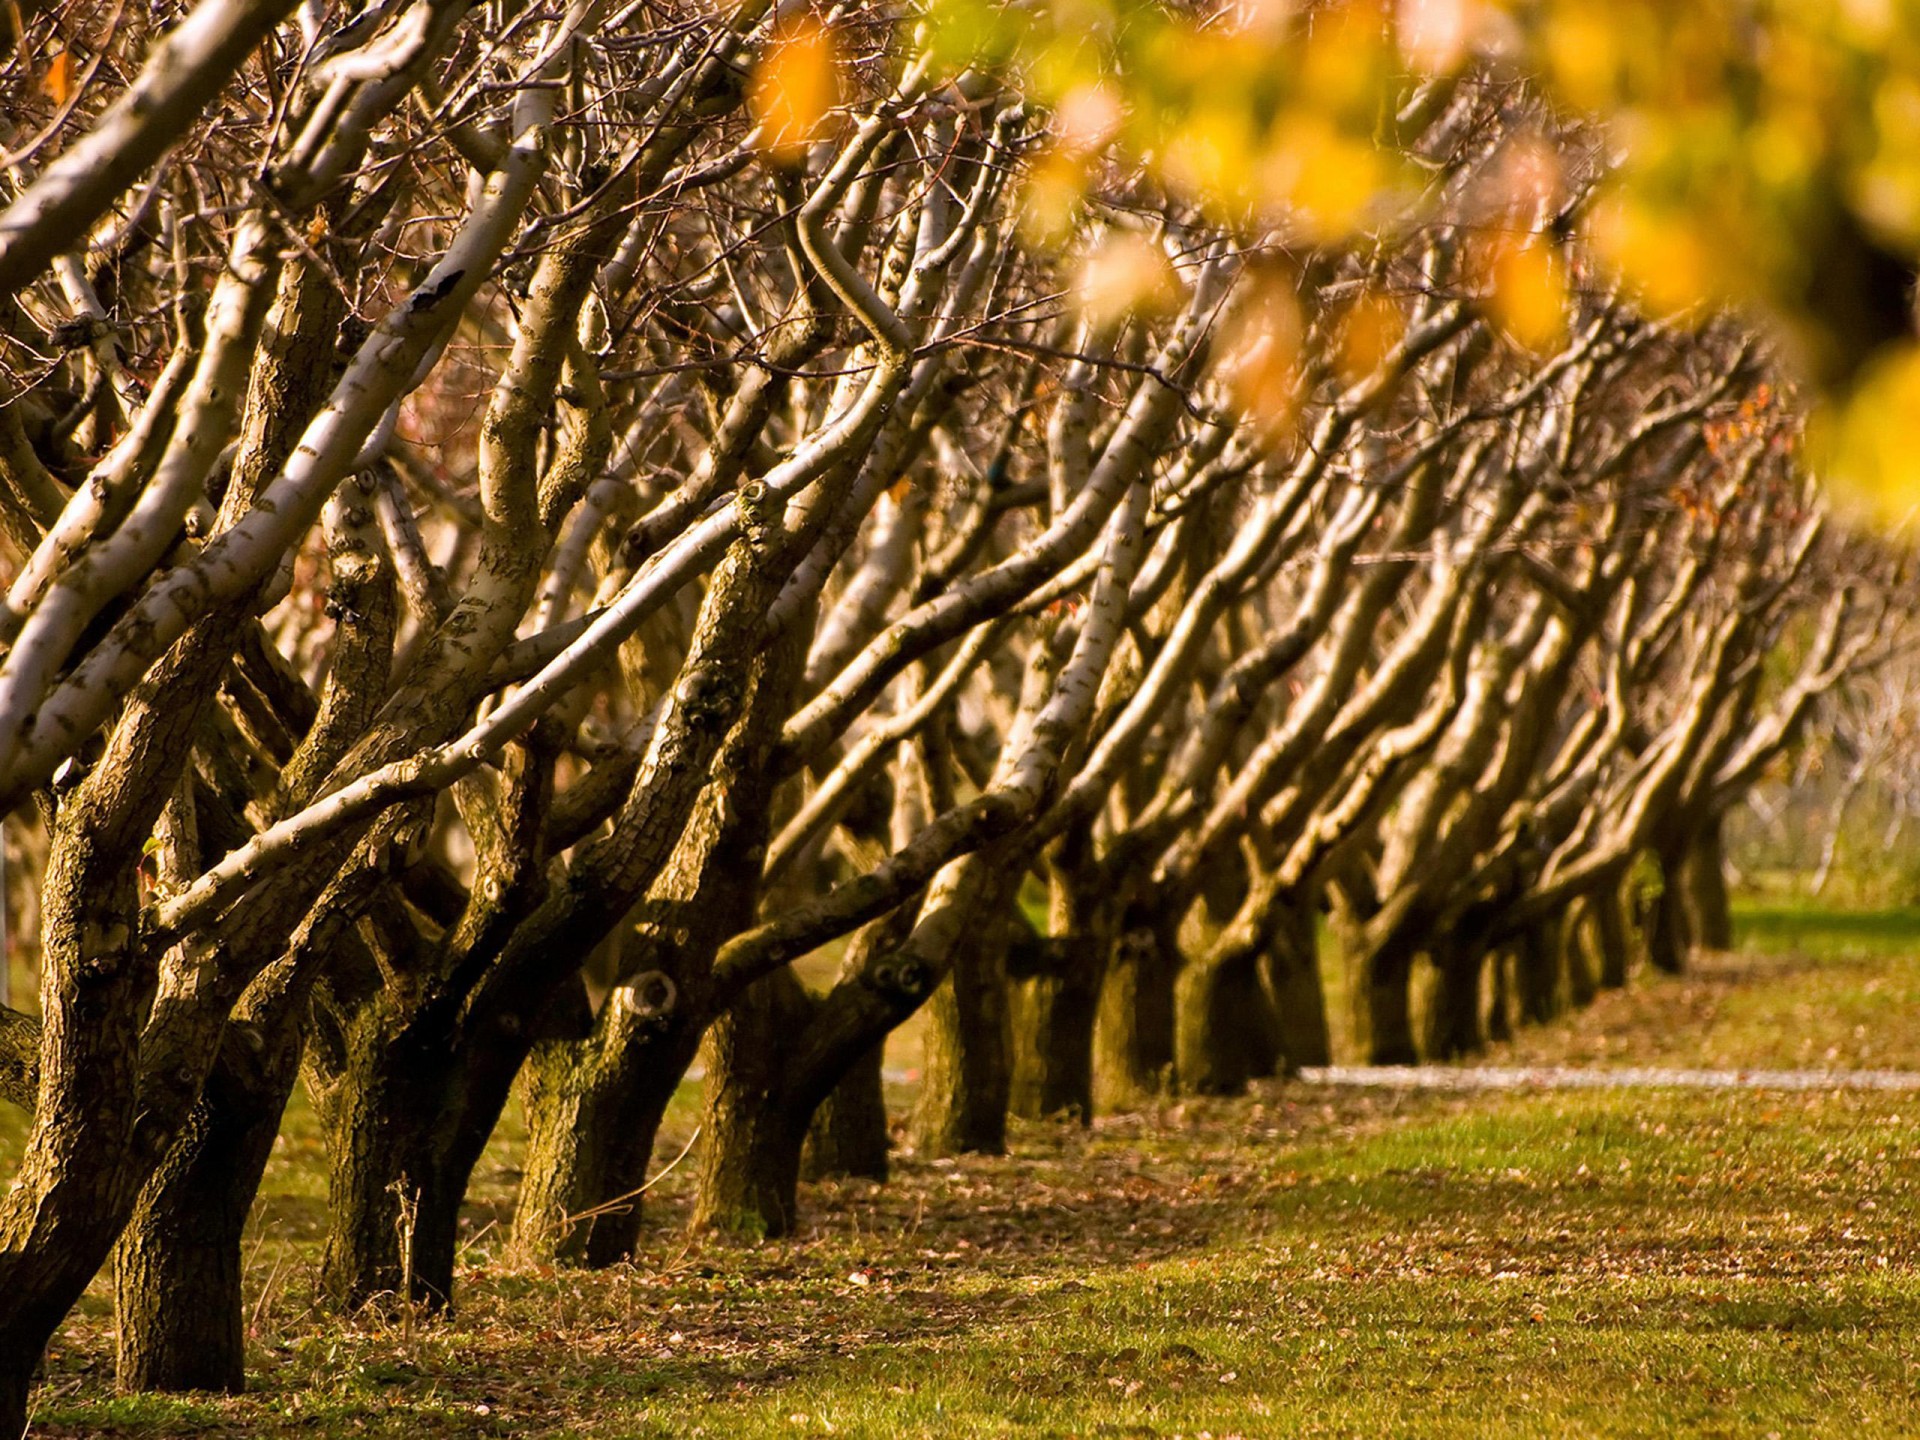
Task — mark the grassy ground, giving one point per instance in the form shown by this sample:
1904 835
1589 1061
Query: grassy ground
1297 1263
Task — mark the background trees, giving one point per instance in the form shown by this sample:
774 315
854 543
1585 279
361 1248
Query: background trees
527 523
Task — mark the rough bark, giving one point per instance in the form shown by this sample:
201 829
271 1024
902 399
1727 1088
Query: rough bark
594 1108
177 1268
750 1163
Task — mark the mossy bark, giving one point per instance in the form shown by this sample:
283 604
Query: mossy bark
594 1108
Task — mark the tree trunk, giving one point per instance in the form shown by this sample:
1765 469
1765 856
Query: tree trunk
750 1171
1612 938
593 1111
848 1135
1133 1026
1579 949
1387 1005
1537 958
1704 876
1054 999
1453 1019
1220 1014
394 1207
1667 932
177 1268
966 1077
1500 1011
1290 975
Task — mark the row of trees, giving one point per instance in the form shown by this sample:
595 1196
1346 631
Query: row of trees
526 527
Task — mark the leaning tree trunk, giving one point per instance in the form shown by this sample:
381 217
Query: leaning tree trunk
594 1108
177 1271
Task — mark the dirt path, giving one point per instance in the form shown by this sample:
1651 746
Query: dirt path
1593 1077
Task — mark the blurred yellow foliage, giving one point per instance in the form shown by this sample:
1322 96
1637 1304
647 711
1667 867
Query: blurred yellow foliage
795 87
1865 448
1258 354
1526 290
1124 275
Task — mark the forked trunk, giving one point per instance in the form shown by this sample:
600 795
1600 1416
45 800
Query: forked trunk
593 1110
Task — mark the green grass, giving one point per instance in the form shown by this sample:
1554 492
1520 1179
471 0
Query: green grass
1805 989
1301 1262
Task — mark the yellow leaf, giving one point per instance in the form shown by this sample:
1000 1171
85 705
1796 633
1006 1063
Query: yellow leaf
57 83
795 87
1367 334
1529 293
1051 205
